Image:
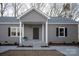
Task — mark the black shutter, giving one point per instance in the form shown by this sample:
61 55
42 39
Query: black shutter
56 31
66 32
9 31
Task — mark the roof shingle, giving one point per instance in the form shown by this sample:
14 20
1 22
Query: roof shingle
52 20
61 20
8 19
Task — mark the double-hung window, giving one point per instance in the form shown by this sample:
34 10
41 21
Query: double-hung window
61 32
15 31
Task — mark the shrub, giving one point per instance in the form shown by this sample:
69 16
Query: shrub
6 42
15 43
50 43
73 42
0 43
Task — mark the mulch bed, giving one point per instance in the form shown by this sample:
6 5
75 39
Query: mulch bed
63 44
32 53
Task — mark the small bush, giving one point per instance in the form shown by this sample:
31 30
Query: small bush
22 45
73 42
50 43
6 42
77 42
64 43
15 43
0 43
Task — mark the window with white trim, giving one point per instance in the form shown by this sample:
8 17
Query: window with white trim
15 31
61 32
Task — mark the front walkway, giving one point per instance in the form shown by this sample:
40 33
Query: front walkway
6 48
66 50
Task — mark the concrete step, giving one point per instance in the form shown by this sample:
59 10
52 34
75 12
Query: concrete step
34 43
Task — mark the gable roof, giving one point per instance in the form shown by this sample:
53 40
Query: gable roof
8 19
61 20
37 10
52 20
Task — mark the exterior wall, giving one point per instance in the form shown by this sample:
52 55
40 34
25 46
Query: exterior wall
33 16
72 33
28 31
4 34
78 32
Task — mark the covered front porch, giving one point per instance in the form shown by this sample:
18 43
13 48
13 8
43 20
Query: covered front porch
35 24
35 33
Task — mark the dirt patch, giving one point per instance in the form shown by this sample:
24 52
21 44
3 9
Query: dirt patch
32 53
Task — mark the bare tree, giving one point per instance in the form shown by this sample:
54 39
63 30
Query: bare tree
16 8
70 11
51 9
3 8
66 9
54 10
74 12
39 6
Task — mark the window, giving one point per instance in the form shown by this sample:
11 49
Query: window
61 32
15 31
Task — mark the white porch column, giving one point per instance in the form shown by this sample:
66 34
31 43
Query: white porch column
23 30
20 41
46 32
42 32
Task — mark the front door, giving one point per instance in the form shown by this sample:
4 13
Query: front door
36 33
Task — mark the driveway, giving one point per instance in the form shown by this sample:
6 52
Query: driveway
66 50
6 48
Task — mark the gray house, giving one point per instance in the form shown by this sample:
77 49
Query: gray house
35 28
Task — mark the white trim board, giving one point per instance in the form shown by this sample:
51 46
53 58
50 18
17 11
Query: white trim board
30 23
9 22
62 23
20 37
42 32
46 32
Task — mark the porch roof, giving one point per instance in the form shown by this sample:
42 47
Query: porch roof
37 10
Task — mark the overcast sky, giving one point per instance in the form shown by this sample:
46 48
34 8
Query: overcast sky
9 11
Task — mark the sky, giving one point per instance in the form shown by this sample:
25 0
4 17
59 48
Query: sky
9 11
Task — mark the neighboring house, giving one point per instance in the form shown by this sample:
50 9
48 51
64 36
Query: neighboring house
36 27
